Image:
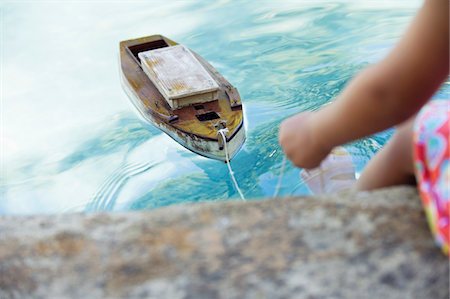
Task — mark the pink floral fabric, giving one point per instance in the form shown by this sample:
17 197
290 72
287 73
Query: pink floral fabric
432 158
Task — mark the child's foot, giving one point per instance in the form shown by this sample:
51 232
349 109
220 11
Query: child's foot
335 174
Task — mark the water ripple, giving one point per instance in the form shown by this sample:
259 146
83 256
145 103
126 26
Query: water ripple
105 198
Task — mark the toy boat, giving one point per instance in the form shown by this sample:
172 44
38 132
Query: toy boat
179 92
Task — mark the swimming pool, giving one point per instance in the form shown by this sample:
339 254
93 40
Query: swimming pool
72 142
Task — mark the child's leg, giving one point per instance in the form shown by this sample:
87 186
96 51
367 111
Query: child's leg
393 164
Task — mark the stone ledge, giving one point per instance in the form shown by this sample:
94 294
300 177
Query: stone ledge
366 245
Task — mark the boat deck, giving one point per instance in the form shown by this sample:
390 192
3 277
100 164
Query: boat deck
152 103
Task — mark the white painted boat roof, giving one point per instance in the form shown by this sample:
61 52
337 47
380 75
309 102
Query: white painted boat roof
176 72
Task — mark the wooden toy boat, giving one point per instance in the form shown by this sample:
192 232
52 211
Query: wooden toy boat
179 92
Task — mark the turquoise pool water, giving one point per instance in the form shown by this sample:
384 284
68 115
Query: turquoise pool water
72 142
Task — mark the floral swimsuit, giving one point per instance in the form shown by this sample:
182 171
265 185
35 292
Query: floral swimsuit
432 158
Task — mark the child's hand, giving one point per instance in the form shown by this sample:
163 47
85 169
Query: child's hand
299 142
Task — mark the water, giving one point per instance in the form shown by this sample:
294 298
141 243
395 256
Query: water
71 141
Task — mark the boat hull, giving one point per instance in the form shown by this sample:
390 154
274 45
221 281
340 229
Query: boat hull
202 146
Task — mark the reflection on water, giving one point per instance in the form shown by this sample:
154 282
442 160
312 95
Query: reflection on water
72 142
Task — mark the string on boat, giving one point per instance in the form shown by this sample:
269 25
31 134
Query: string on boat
280 177
227 158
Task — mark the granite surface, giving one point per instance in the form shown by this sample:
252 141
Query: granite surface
366 245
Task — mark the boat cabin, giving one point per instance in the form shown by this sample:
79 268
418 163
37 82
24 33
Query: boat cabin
178 75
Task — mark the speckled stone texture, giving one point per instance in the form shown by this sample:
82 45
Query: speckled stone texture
370 245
